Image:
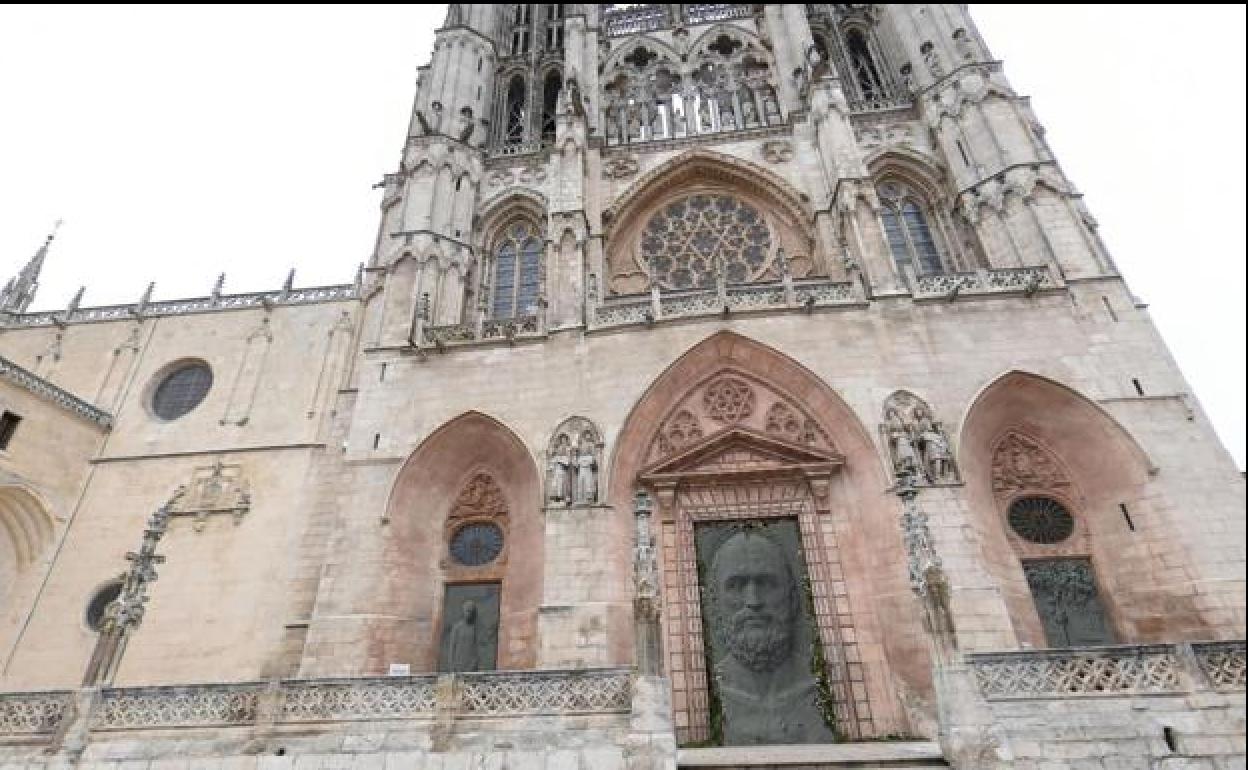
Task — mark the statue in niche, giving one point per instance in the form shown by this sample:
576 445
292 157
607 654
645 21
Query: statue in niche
461 641
917 443
680 127
937 459
634 125
561 471
704 115
901 444
761 649
586 470
748 110
656 123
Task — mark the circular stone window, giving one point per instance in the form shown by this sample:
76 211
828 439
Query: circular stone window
181 390
474 545
1040 520
99 604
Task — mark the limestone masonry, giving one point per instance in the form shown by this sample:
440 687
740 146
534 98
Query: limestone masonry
730 386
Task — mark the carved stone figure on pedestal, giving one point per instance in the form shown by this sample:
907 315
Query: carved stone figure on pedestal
763 669
901 445
937 459
586 471
560 471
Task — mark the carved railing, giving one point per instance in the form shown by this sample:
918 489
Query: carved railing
33 713
312 294
1122 670
512 149
306 701
710 13
804 294
635 19
880 103
568 692
451 335
984 281
1222 663
44 389
189 706
356 699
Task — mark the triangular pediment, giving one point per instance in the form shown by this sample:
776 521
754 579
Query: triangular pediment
741 450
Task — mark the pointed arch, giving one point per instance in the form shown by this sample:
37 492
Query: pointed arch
713 33
860 532
663 50
421 501
759 194
1072 451
25 523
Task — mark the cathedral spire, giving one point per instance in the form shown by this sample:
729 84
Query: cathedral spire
19 292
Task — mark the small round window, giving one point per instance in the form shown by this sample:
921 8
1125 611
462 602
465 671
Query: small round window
99 604
474 545
1040 520
181 390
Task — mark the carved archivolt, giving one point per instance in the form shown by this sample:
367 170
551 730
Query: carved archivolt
1020 463
731 400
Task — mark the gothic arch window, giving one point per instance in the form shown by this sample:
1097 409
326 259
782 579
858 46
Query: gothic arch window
517 271
1034 493
862 64
550 101
515 111
908 228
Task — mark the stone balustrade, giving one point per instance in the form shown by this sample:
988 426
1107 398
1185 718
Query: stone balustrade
983 281
1157 669
489 330
662 305
484 694
153 309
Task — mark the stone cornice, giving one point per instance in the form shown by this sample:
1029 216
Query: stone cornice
59 396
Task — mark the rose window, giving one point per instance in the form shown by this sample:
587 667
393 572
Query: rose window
692 238
1040 520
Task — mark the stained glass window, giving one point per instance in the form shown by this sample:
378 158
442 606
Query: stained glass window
474 545
1040 520
181 391
690 239
517 272
907 230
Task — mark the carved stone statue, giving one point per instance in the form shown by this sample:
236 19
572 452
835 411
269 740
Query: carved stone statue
762 669
680 126
901 444
937 459
561 471
748 110
704 115
586 471
461 642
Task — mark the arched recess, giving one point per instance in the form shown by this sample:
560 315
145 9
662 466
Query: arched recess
431 488
793 417
512 277
788 219
918 179
26 530
1071 451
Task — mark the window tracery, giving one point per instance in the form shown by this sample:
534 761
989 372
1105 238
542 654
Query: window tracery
691 240
908 229
516 275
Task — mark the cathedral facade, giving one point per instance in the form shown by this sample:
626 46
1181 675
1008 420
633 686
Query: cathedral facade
729 386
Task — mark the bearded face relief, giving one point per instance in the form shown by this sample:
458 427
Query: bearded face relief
760 633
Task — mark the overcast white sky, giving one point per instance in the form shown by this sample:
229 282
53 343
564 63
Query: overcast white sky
181 142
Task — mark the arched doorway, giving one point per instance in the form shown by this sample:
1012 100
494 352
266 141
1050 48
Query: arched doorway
753 460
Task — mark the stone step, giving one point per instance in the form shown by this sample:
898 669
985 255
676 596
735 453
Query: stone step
913 755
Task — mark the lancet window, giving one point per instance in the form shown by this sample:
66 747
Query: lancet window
908 228
516 271
850 44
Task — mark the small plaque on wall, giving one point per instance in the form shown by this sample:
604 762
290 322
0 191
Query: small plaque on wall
400 669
